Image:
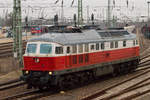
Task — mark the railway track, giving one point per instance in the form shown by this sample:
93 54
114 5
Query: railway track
126 90
6 49
21 95
35 94
144 57
104 95
27 95
31 95
11 84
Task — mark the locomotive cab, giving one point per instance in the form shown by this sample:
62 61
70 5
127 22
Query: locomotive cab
41 56
40 60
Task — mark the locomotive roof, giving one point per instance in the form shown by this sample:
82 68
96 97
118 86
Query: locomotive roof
85 37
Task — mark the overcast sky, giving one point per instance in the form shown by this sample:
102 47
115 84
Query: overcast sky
32 7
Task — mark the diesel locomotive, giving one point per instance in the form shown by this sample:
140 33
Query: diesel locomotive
64 59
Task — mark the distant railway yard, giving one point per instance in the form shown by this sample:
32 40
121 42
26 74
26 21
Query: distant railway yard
134 85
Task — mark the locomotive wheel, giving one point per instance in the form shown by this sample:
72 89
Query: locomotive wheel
44 88
61 83
75 80
114 74
122 69
90 76
133 66
81 78
116 71
29 86
66 82
70 82
84 78
126 68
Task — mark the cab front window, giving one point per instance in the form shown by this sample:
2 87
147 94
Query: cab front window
31 48
45 48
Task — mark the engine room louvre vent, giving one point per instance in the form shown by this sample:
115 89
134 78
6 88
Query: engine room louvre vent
113 34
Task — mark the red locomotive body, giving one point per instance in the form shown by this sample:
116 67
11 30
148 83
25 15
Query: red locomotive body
54 58
65 62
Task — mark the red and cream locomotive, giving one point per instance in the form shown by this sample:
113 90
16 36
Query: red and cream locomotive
63 59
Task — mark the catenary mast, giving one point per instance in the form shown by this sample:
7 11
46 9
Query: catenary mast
108 15
80 13
17 31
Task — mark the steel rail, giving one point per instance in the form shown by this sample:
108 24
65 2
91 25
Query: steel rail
135 95
134 88
40 95
143 65
20 95
144 57
10 82
103 91
12 85
144 62
124 90
6 49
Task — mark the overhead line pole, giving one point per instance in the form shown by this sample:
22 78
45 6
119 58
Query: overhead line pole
88 14
109 15
62 12
20 32
17 31
148 11
80 13
14 30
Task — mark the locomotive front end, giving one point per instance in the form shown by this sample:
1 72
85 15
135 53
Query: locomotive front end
38 64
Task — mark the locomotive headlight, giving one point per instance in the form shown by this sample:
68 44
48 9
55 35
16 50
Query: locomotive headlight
50 73
27 72
37 60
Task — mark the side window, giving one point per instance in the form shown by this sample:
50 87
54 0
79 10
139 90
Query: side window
80 49
102 46
116 44
81 59
134 42
74 60
124 43
59 50
97 46
92 47
74 49
86 58
111 45
86 48
68 49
